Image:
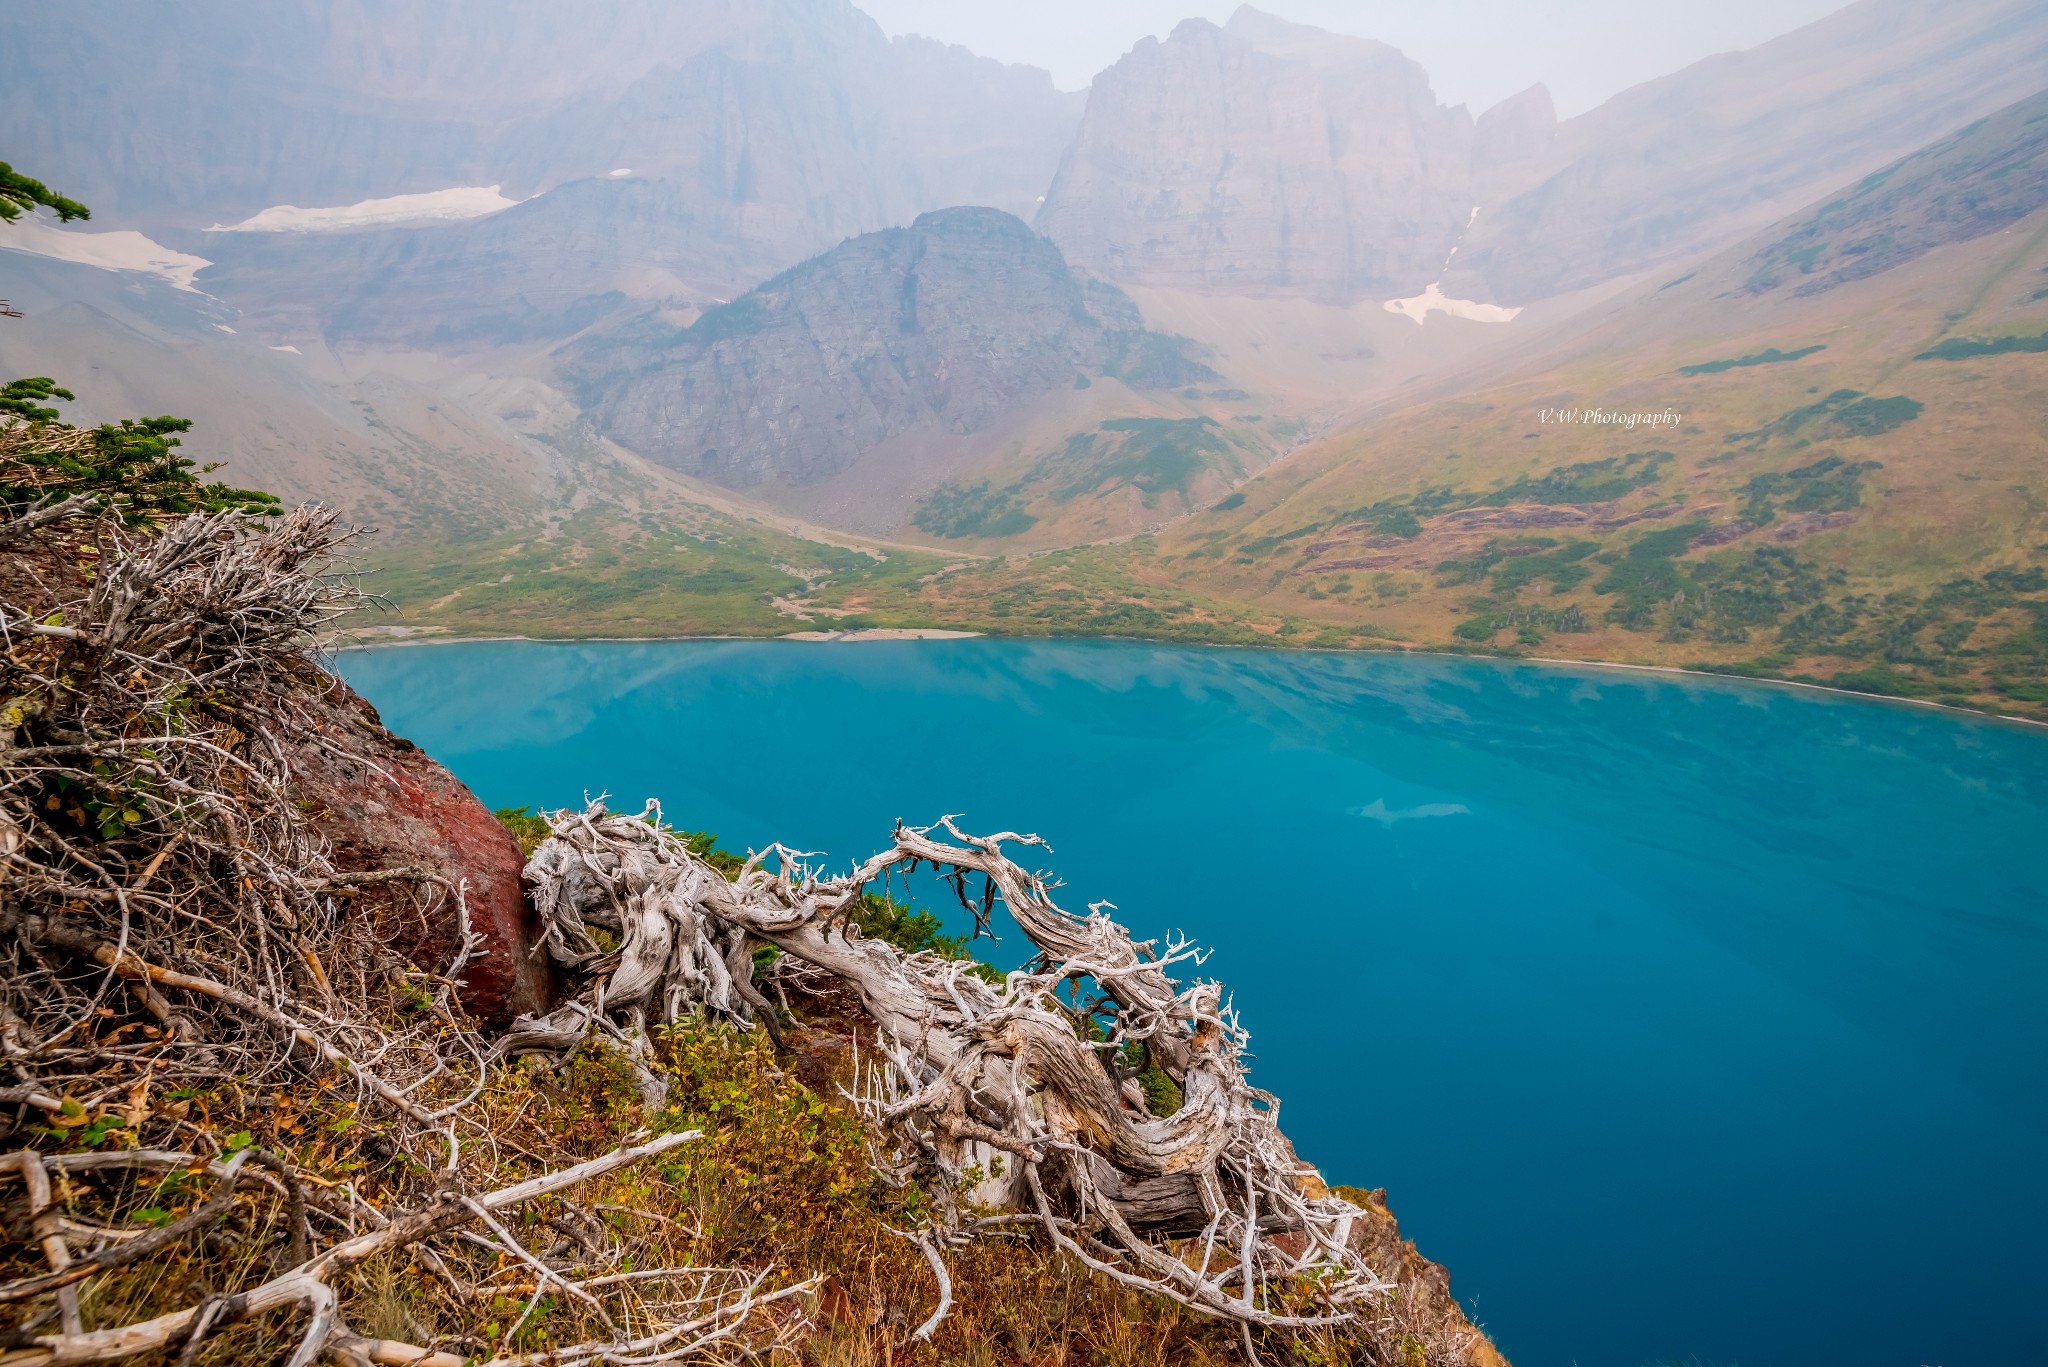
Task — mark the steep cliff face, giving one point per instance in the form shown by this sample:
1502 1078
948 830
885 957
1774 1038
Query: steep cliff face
1264 158
949 323
1267 158
1508 140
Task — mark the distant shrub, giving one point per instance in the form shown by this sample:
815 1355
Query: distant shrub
1769 356
1155 360
1868 417
527 828
743 317
1595 481
1963 348
1829 485
1847 412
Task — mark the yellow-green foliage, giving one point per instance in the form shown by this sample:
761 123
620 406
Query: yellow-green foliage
780 1174
528 829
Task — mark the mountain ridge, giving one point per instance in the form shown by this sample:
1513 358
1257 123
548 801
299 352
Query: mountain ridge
947 324
1263 157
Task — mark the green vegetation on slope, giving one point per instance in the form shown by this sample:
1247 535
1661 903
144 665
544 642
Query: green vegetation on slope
1768 356
1844 413
1962 187
1152 455
1158 457
954 510
1963 348
131 467
1595 481
1157 360
601 572
1829 485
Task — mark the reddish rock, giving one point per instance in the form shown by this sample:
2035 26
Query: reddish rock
382 803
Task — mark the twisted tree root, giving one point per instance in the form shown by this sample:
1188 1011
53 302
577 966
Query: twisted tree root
1009 1097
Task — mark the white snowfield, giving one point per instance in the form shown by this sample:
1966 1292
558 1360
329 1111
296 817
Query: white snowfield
1433 299
115 251
436 206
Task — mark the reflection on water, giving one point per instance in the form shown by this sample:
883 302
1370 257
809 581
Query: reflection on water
1380 812
1712 1015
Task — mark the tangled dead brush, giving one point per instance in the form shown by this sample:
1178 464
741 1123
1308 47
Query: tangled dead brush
181 966
1004 1105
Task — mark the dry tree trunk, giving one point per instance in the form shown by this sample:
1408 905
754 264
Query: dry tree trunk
1007 1102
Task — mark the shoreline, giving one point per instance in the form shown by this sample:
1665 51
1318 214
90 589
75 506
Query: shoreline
873 635
857 636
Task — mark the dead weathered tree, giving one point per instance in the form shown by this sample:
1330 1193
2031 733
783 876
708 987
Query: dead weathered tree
154 869
1009 1103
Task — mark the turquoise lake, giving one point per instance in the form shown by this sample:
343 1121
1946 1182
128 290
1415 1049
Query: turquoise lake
1683 1020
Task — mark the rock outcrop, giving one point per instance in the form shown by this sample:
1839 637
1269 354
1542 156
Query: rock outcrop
950 324
383 804
1264 158
1509 138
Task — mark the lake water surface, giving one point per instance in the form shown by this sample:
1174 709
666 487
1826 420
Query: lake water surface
1684 1021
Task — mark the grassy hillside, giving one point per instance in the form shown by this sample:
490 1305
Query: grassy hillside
1818 456
621 549
1852 491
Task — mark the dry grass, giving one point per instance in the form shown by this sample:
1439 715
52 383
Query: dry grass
779 1184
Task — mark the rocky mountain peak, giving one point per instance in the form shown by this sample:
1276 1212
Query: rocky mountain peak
945 325
1517 130
1270 33
1264 158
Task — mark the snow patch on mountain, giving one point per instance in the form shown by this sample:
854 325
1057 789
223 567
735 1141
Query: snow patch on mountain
456 205
1433 299
115 251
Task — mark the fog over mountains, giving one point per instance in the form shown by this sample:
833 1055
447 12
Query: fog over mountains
600 183
753 132
793 112
1263 157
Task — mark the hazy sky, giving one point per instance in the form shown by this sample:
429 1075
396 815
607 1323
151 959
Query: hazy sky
1477 51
